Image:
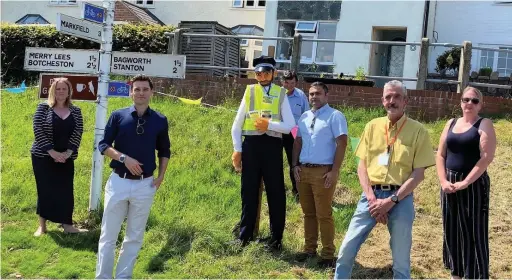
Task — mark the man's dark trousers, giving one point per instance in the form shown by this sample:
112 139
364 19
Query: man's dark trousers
262 156
288 148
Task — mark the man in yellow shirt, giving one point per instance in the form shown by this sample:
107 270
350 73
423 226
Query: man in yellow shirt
394 152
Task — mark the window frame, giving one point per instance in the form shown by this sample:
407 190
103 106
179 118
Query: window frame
301 30
145 4
27 15
255 6
496 54
60 3
235 6
508 56
246 44
313 35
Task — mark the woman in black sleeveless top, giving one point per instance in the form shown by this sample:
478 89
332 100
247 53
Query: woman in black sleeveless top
466 149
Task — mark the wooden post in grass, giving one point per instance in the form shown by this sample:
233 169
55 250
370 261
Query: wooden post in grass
295 61
176 42
423 66
464 66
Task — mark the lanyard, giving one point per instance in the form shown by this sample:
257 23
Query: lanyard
267 91
394 138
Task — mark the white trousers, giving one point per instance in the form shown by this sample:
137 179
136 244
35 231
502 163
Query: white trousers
123 198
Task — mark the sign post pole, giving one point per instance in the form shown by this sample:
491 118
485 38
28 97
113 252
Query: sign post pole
101 108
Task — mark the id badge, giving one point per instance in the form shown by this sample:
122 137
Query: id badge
384 159
254 115
268 99
266 114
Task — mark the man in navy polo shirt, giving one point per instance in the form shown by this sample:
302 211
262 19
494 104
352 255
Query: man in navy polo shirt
131 137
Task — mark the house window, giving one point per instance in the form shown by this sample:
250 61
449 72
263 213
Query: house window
504 63
317 52
257 53
284 48
145 3
258 43
244 42
238 3
325 50
486 59
63 2
32 19
249 3
498 61
307 48
305 26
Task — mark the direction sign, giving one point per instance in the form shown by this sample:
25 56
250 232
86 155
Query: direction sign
93 13
150 64
79 28
85 87
119 89
61 60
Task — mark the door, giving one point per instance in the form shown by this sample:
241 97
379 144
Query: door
395 64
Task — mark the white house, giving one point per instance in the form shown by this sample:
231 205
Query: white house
226 12
484 23
349 20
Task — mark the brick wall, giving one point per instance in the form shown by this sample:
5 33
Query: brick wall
423 104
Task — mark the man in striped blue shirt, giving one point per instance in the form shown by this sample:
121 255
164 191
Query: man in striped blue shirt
299 104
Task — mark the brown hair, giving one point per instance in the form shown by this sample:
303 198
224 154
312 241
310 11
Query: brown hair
142 78
289 75
477 91
52 101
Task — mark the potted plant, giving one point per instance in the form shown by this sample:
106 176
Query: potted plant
358 80
485 71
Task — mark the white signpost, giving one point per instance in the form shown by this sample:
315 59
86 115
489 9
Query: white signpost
150 64
79 28
101 109
61 60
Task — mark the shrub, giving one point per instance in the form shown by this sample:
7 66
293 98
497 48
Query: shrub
360 74
15 38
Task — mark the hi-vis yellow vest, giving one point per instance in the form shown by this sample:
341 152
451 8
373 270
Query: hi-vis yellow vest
258 103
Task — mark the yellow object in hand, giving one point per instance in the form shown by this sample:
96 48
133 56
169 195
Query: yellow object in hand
261 124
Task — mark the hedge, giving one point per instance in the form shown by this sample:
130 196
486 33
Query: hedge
15 38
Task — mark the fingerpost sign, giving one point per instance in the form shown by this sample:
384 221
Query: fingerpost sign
118 89
61 60
93 13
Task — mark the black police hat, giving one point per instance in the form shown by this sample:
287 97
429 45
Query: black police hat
264 63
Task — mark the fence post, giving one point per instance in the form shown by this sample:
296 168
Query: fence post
177 41
226 56
464 66
423 66
295 61
170 43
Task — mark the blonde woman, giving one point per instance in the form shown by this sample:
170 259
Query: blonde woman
466 149
58 127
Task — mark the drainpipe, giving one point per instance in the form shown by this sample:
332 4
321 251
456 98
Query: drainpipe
425 18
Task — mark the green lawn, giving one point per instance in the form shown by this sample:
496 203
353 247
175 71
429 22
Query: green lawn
193 212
